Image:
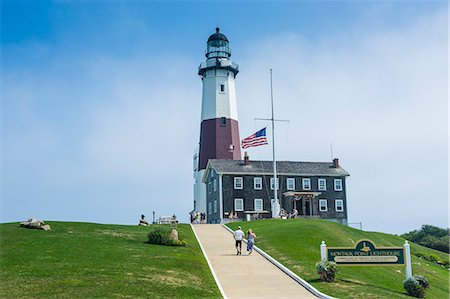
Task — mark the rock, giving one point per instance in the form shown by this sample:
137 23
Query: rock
45 227
35 224
173 235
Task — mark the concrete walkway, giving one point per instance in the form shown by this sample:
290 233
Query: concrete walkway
245 276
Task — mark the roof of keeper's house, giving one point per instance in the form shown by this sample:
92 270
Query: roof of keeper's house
283 168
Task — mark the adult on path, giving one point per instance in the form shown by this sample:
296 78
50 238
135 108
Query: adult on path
250 240
238 237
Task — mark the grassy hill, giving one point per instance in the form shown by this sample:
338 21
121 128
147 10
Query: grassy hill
85 260
295 243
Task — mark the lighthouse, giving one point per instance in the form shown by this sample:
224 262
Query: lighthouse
219 130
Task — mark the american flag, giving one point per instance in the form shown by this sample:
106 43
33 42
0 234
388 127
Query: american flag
257 139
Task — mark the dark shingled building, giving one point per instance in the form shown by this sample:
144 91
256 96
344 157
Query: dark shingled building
245 188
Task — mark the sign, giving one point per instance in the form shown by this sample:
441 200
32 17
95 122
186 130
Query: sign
366 253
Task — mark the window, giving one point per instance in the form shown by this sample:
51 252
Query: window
238 204
223 121
271 183
212 172
215 185
323 206
339 205
238 183
195 162
209 187
290 184
322 184
215 206
337 185
222 87
306 184
257 183
258 204
209 208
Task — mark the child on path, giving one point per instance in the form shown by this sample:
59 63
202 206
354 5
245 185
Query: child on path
250 241
238 237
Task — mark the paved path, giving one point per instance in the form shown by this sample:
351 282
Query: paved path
245 276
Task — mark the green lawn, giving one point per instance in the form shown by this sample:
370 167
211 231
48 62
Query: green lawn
85 260
296 243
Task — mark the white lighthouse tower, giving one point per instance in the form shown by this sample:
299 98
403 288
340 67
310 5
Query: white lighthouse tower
219 133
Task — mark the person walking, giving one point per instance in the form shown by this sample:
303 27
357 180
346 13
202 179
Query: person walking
251 236
238 237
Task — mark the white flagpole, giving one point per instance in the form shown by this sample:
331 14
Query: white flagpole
276 205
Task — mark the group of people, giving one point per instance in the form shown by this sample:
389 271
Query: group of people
233 216
197 217
285 215
239 237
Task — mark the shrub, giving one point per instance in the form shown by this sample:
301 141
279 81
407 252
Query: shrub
431 237
327 270
415 286
160 235
423 281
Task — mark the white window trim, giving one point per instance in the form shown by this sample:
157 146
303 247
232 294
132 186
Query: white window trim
242 183
235 201
336 205
326 205
215 185
335 185
287 183
262 204
309 183
271 183
325 184
209 187
260 183
209 208
224 88
215 206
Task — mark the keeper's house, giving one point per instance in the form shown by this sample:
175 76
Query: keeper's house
315 189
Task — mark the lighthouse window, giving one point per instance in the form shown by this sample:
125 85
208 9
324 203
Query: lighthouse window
222 87
223 121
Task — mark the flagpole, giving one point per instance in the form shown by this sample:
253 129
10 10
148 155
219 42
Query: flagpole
275 209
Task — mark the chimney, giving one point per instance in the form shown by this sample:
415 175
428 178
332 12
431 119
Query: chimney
246 158
336 163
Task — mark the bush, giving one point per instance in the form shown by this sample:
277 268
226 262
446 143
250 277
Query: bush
423 281
160 236
431 237
415 286
327 270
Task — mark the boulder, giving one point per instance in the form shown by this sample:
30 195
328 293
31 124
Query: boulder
35 224
45 227
173 235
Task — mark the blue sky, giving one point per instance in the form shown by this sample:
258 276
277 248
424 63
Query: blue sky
101 102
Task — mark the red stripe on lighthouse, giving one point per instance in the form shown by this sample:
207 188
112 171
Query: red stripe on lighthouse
219 140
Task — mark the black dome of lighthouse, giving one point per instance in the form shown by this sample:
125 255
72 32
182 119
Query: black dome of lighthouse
218 46
217 36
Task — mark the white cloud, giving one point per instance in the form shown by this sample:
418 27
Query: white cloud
380 98
104 139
